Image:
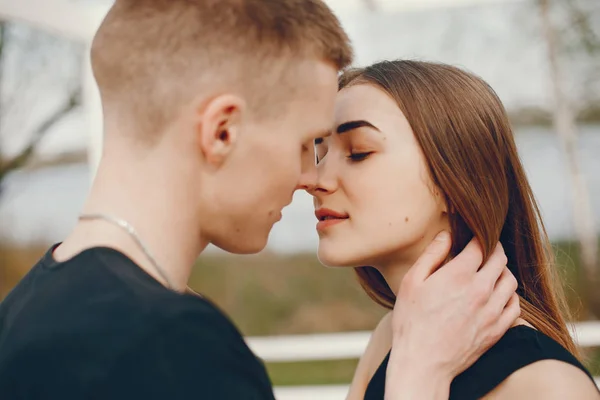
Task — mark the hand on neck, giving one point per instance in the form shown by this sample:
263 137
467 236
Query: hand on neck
156 201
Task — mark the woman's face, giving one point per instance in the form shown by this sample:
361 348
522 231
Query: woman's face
374 198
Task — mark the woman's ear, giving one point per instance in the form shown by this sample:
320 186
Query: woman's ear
445 206
449 208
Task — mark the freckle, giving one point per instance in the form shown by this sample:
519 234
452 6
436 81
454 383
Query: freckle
406 219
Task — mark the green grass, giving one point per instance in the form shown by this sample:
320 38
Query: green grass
270 294
593 361
312 372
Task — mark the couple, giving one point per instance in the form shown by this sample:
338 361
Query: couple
215 112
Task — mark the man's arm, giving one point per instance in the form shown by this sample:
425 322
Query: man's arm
445 319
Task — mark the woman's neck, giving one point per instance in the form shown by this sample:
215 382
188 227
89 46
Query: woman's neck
395 266
393 274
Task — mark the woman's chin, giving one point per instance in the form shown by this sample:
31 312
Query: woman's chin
336 257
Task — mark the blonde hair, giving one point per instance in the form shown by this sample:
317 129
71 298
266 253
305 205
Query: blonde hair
151 56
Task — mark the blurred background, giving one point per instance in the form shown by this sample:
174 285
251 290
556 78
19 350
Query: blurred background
541 56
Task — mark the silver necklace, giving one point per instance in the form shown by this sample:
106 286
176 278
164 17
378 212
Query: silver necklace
127 227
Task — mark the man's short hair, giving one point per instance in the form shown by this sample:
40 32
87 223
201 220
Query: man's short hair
151 56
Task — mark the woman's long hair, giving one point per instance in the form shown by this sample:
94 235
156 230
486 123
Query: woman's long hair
467 141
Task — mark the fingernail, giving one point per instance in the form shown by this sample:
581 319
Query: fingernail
442 236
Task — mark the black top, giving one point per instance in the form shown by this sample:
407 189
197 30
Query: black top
519 347
98 327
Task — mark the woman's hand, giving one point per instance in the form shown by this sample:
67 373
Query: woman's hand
445 319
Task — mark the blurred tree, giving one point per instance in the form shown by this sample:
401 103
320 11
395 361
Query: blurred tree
564 120
579 42
17 92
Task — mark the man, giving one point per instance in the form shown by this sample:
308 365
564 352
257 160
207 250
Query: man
210 110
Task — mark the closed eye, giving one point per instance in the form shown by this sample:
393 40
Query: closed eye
359 156
320 149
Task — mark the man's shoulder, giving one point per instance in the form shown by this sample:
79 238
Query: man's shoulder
199 317
109 308
98 323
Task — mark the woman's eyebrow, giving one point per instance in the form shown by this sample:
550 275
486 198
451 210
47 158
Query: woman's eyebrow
350 125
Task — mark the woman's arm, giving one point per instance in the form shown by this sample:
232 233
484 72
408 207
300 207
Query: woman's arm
378 347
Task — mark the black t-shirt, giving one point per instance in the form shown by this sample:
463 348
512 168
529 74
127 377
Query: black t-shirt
98 327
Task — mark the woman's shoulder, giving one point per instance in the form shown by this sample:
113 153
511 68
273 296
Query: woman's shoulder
525 361
547 379
377 349
379 345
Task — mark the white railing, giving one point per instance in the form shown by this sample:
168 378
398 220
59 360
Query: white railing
351 345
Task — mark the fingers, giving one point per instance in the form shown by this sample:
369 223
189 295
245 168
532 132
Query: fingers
470 258
496 323
504 290
435 254
494 266
509 316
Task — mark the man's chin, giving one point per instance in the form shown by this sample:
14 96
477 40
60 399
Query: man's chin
243 246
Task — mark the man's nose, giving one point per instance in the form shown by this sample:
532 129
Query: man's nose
308 179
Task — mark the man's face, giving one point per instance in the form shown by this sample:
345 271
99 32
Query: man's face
272 158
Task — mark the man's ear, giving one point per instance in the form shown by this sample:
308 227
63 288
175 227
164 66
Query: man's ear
218 128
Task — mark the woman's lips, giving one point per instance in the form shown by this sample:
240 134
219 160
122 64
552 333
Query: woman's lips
322 225
328 218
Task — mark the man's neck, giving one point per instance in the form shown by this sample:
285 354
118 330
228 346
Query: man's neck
150 199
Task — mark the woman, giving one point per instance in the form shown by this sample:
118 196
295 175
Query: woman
419 148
